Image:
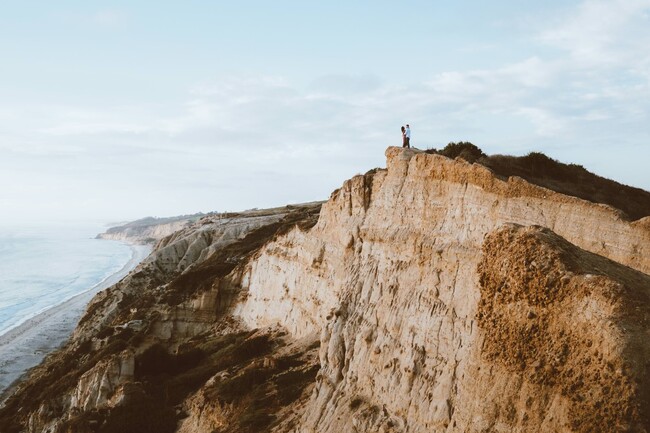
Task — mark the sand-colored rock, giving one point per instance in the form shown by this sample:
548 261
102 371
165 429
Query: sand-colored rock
146 233
389 276
96 387
443 299
571 326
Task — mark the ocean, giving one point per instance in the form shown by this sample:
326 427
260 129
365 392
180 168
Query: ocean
45 266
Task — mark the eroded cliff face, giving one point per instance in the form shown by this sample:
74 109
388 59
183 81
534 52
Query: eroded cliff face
144 235
429 296
149 342
390 276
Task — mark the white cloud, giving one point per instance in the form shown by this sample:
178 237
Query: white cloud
532 72
546 123
603 33
501 90
256 141
269 115
596 84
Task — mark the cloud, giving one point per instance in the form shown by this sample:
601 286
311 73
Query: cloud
596 82
240 142
603 33
495 89
546 123
540 99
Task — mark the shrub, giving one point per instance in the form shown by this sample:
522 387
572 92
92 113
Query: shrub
571 179
538 164
464 149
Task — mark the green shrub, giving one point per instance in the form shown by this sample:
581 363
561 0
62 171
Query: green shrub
463 149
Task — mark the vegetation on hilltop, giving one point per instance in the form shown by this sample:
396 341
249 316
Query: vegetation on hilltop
154 221
569 179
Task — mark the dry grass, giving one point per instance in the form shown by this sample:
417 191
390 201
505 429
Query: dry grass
569 179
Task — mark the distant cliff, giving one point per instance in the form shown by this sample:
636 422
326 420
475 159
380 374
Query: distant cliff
430 296
148 230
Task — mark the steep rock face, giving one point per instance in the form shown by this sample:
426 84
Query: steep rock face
158 331
429 296
389 276
571 327
172 257
145 233
95 388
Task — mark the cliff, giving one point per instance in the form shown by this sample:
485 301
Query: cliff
433 295
148 230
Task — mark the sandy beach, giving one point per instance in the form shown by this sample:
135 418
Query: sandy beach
26 345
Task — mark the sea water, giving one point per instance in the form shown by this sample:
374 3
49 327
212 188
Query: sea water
45 266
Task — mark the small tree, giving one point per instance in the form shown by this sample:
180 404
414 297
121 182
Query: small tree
464 149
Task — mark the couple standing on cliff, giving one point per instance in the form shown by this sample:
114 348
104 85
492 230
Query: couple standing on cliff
406 136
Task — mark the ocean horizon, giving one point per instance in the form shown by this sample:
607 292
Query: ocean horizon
42 267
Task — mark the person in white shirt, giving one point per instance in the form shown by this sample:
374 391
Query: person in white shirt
407 135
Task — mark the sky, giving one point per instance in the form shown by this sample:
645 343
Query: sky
113 111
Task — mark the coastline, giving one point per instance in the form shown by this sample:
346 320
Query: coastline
25 346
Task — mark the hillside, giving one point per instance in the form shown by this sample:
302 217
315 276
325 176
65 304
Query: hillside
148 230
431 296
570 179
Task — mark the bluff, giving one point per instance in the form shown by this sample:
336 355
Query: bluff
148 230
433 295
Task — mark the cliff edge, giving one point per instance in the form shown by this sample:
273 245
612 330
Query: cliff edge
148 230
432 295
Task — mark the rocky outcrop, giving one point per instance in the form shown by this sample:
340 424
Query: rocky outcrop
569 326
96 387
154 325
389 274
429 296
148 230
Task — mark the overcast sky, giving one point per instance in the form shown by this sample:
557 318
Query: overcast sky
118 110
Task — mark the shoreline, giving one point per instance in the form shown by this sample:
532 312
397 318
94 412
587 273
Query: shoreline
25 345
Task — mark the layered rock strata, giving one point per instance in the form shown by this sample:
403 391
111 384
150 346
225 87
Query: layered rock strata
149 342
429 296
147 230
389 276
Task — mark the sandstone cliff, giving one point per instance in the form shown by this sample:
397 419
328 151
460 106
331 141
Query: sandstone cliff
148 230
429 296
